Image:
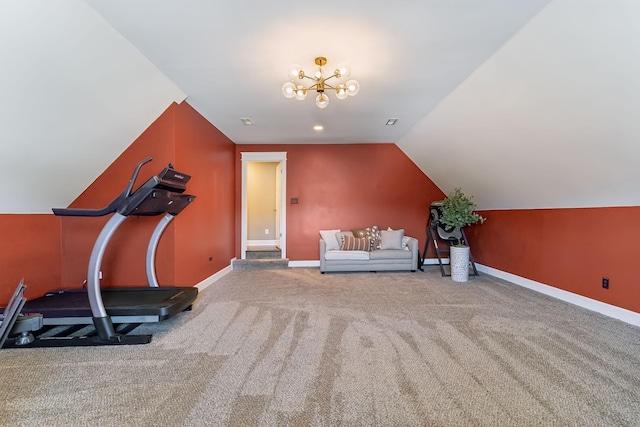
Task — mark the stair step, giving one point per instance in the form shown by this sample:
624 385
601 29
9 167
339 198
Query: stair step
259 254
260 264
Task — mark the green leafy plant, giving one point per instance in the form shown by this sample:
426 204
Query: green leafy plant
457 212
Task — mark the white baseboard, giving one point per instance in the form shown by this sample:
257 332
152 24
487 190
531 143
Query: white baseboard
214 277
434 261
310 263
609 310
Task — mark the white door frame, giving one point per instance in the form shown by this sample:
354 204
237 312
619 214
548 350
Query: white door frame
278 203
276 157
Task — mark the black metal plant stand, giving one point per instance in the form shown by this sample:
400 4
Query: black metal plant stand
434 231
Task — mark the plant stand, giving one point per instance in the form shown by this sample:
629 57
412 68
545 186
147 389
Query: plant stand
444 252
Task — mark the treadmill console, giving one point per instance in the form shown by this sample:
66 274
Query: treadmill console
171 179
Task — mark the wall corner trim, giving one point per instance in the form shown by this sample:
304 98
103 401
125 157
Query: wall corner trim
608 310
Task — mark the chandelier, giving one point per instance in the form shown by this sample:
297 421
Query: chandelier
336 82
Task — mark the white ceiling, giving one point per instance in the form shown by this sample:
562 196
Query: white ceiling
524 104
231 58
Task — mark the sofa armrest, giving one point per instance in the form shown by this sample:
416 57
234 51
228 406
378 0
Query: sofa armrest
412 244
323 248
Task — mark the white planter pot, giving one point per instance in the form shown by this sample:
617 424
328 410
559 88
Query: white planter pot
459 260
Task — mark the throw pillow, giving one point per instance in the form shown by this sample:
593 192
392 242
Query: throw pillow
355 244
340 237
391 239
372 233
330 238
405 239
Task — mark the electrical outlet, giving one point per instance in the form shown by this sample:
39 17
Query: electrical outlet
100 274
266 231
605 282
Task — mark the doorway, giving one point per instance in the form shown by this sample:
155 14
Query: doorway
263 212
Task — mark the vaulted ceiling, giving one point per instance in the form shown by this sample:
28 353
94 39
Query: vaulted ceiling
524 104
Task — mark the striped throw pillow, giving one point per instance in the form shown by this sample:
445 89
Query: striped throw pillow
355 244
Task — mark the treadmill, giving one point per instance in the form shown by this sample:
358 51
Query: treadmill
126 308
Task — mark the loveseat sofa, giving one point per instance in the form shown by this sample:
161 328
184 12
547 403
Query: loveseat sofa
367 250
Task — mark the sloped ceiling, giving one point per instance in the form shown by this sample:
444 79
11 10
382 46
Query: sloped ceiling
550 120
74 95
523 104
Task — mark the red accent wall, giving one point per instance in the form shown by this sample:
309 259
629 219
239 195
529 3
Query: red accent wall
570 249
30 250
205 231
197 243
124 260
346 186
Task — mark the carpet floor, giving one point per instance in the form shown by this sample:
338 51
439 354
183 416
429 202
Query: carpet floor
297 348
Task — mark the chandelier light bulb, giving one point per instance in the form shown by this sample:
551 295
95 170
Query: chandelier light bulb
289 90
342 71
317 73
294 72
341 92
353 87
301 93
322 100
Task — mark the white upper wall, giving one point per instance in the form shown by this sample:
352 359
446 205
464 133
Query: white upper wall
74 95
550 121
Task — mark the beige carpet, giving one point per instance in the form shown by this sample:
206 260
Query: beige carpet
297 348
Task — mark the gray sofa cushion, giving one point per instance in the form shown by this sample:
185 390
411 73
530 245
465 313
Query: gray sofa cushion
349 255
390 254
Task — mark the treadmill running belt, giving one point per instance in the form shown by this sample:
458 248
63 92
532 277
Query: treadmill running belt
164 302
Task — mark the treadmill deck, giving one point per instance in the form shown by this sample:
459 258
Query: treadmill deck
124 305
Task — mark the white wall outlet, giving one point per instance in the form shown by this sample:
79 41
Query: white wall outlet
266 231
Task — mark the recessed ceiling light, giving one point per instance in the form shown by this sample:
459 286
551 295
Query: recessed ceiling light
247 121
318 127
391 122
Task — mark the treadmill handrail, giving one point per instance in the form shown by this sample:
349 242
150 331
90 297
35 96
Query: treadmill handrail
127 191
113 206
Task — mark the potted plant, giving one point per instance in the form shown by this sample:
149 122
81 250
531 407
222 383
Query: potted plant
458 212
